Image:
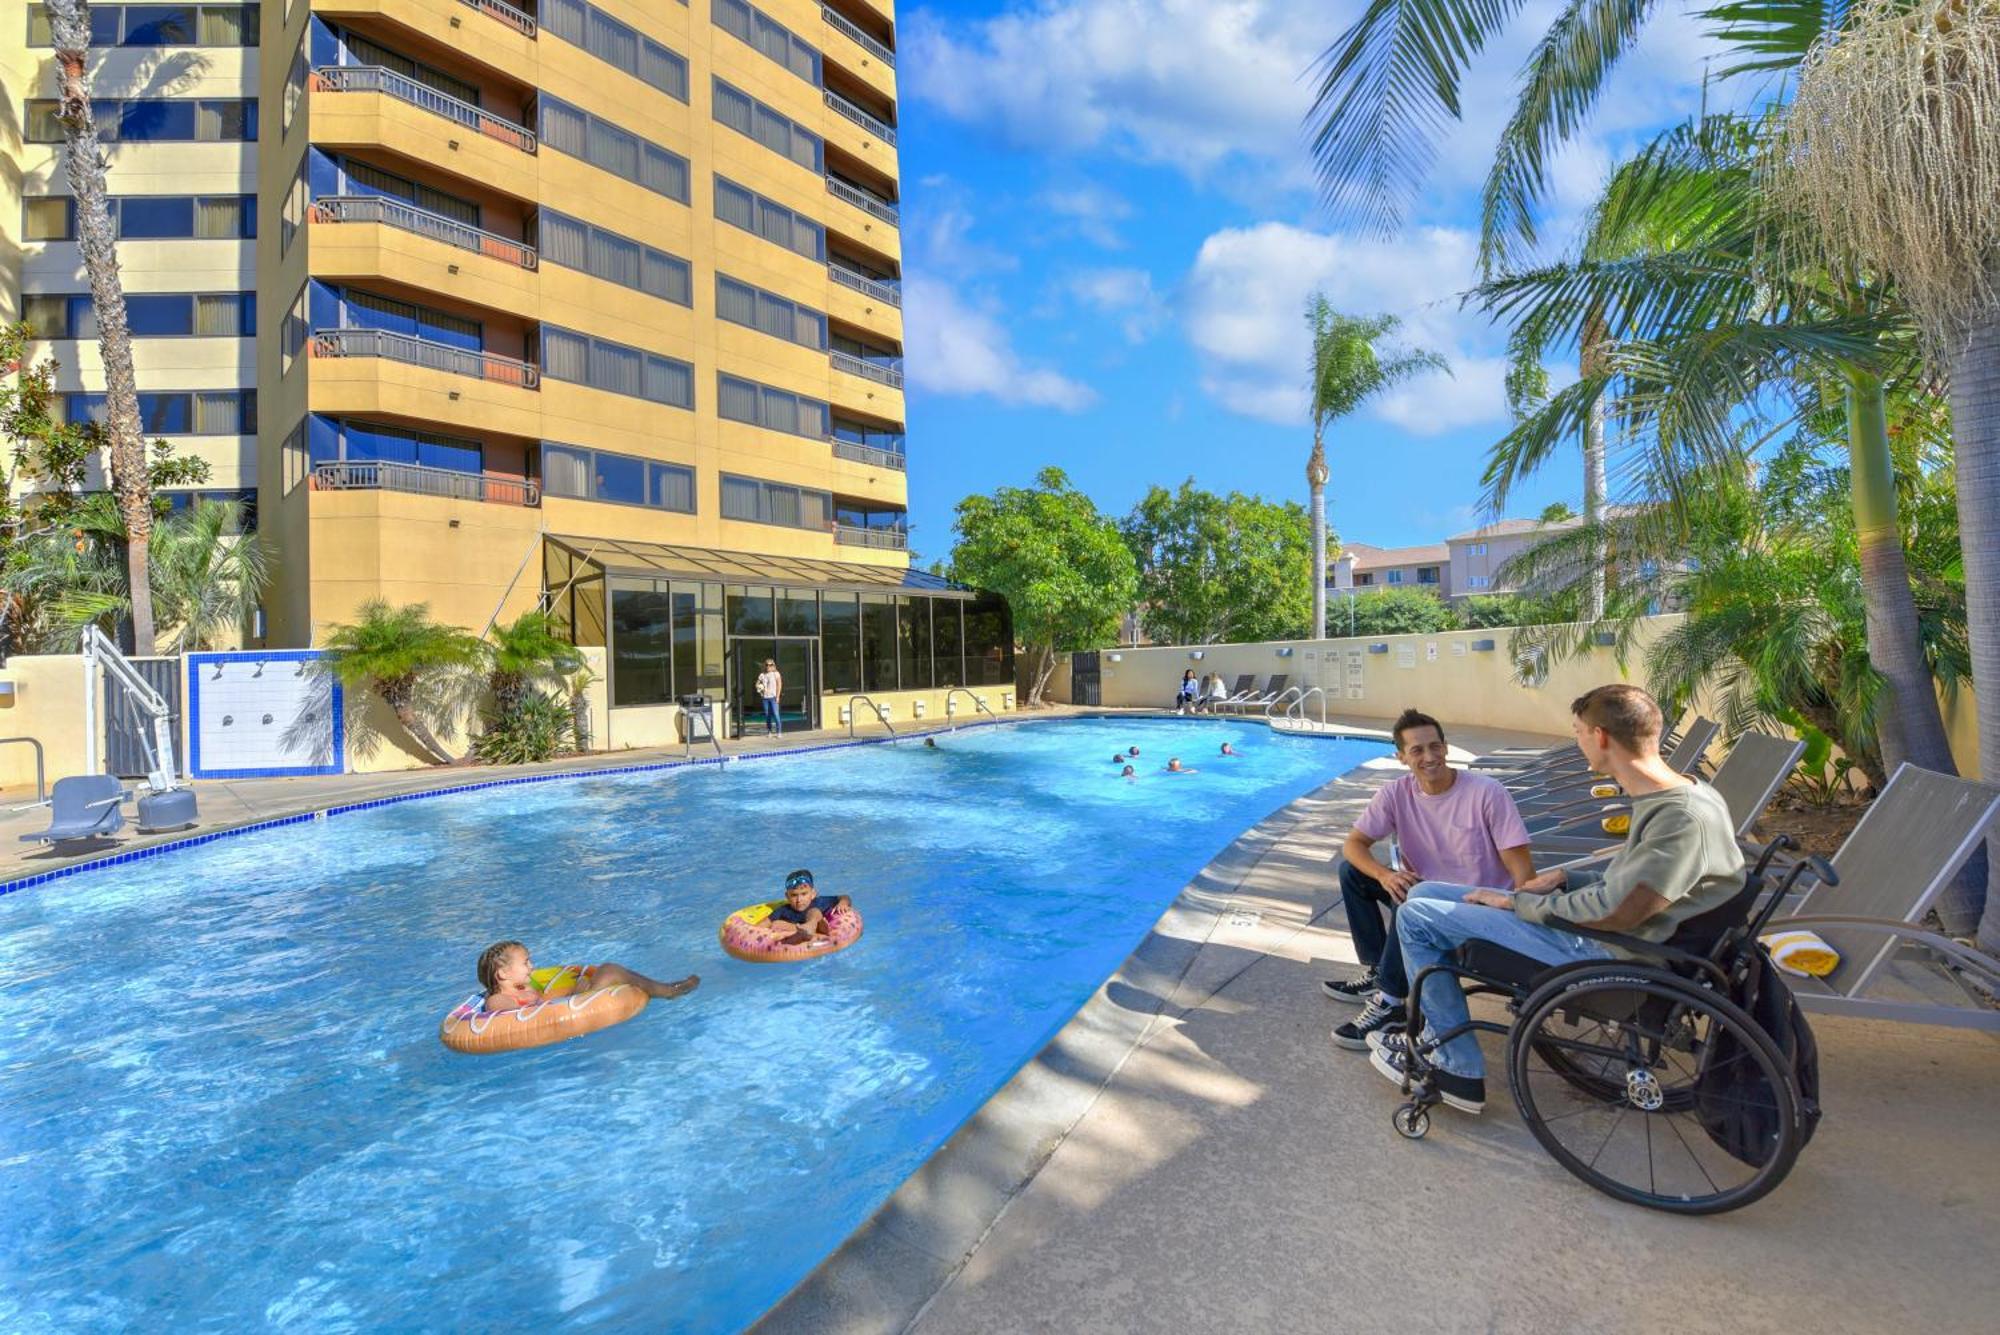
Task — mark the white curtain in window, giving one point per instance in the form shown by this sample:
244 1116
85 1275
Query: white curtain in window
779 411
669 382
565 356
735 205
615 367
218 314
563 240
739 498
218 216
228 25
564 128
815 509
736 399
565 472
673 488
784 503
735 301
218 413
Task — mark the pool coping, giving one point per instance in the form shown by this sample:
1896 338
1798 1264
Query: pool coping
889 1270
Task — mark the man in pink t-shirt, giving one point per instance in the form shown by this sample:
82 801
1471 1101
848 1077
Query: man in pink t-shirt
1450 826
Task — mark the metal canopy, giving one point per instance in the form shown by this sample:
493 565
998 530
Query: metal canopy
651 560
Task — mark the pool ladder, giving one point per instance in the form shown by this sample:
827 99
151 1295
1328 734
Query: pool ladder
881 714
1297 708
978 703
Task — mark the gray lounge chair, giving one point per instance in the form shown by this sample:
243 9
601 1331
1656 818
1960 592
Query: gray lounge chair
83 807
1686 756
1892 868
1746 780
1245 687
1273 688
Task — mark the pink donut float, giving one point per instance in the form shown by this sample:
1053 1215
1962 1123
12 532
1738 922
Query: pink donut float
749 934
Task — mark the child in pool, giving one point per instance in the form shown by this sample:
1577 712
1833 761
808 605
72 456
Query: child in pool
1174 766
1229 750
804 909
1131 750
1129 773
505 969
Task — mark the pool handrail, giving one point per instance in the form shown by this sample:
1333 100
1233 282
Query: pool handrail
41 779
1297 709
1279 699
881 714
951 718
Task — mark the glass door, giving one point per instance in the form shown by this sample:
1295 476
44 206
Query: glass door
798 695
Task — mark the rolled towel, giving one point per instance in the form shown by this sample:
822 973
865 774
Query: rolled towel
1604 790
1620 824
1801 953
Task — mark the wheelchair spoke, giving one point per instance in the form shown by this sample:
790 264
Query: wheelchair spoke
1699 1166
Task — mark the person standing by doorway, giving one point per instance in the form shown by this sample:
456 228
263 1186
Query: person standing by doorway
770 682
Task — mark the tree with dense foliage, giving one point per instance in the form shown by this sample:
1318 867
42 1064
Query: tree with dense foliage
1063 568
1216 568
85 163
1484 611
1397 611
1348 368
522 652
1556 512
399 652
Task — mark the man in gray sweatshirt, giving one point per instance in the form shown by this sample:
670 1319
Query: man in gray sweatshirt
1680 860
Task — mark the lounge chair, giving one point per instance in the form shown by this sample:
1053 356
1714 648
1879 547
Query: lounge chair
1245 687
1686 756
83 807
1753 770
1273 688
1892 868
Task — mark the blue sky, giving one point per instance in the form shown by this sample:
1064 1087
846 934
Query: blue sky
1110 233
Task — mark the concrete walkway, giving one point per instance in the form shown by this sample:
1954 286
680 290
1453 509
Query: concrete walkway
1192 1154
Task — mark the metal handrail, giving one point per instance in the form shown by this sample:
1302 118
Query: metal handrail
881 714
881 129
1298 706
41 767
841 23
424 352
865 285
381 79
856 535
522 23
424 480
868 454
1280 699
867 370
422 222
864 200
981 704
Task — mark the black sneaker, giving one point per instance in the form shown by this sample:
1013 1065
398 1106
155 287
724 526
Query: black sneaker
1465 1093
1381 1013
1355 991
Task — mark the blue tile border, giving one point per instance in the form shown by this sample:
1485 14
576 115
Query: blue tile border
349 808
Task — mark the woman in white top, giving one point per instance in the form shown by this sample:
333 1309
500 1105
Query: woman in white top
1218 691
769 683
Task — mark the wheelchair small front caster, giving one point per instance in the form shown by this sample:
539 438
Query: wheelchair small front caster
1412 1121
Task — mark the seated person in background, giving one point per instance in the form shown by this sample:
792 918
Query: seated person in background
507 975
1680 860
804 909
1217 692
1452 826
1190 688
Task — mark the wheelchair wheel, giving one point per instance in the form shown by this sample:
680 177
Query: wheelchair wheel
1634 1079
1412 1121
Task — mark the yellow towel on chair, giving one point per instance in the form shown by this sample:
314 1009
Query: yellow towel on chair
1801 953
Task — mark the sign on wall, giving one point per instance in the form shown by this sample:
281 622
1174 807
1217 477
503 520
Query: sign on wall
263 713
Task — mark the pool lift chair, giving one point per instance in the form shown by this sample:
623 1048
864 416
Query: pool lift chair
167 803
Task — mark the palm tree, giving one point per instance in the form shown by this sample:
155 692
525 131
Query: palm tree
398 651
83 159
1893 149
522 651
1347 370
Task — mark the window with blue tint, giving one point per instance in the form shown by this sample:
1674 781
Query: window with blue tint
156 315
370 442
166 414
152 119
149 216
620 478
156 118
158 25
366 310
599 475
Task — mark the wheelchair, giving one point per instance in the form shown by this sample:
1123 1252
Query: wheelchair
1648 1078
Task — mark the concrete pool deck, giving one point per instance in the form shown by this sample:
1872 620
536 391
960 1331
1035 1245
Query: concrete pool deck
1191 1153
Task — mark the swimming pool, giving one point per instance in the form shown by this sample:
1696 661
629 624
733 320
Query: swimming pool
223 1100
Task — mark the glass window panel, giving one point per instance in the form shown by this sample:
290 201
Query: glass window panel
687 634
808 239
798 612
615 367
164 119
669 382
784 503
141 216
673 488
878 642
748 610
779 411
218 413
815 510
620 478
663 69
567 19
165 414
222 314
565 356
734 301
563 240
612 41
47 315
736 399
43 125
664 173
840 641
222 216
565 471
614 257
154 315
564 128
615 150
159 25
948 637
39 31
459 456
733 108
913 642
668 278
641 647
739 498
229 25
774 223
732 16
46 219
735 205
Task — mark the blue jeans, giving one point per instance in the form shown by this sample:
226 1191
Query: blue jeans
771 722
1377 947
1434 922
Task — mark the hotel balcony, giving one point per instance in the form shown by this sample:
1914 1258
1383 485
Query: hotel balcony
867 201
873 456
414 351
882 370
377 240
882 539
855 130
502 12
888 294
370 106
858 52
422 222
421 480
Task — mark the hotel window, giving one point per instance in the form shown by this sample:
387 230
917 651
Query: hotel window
619 479
207 412
1477 581
1427 574
159 25
876 437
149 217
359 178
617 44
1395 577
153 120
769 313
1364 580
358 50
295 89
758 502
574 131
150 314
775 131
749 24
740 400
1476 549
602 364
767 218
370 442
605 254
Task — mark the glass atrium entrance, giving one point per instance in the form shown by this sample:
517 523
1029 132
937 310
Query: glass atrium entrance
798 692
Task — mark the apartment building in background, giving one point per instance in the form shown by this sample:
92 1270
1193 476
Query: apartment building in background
1463 565
585 304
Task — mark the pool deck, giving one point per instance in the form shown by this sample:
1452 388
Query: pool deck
1190 1153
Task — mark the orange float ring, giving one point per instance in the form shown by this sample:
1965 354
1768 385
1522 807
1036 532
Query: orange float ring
473 1029
748 934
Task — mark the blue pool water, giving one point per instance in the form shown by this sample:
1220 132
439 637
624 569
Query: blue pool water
223 1101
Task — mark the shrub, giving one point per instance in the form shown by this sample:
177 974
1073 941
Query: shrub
538 727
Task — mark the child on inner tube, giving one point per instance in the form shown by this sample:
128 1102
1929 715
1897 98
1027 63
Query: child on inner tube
504 971
804 909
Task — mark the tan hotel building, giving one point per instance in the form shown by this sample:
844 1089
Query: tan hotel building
589 304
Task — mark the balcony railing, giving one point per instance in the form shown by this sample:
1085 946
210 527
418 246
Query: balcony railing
423 352
880 129
865 285
522 23
861 199
869 454
377 79
867 370
853 535
420 480
395 213
841 23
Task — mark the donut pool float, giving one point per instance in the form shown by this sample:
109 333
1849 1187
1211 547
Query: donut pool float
749 934
470 1027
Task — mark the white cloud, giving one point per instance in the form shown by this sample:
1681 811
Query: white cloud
1091 211
954 347
1244 313
1126 293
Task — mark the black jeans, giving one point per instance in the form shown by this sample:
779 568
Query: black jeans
1374 941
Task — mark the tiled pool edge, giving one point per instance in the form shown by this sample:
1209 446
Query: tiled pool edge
888 1270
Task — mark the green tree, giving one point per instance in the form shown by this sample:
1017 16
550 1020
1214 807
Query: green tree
1063 568
399 652
522 652
1484 611
1348 369
1399 611
1555 512
1216 568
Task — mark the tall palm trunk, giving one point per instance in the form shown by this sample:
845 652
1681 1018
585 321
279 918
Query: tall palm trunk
1595 338
83 158
1975 418
1316 477
400 695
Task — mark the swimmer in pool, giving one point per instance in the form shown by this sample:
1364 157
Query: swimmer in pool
505 971
1174 766
806 910
1129 773
1132 751
930 744
1229 750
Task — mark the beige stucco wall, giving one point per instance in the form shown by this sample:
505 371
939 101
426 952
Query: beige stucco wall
47 705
